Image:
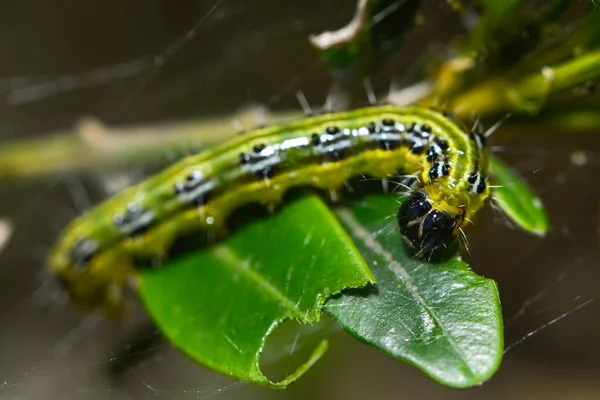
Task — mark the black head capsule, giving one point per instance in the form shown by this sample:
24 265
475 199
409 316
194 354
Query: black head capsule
415 207
424 228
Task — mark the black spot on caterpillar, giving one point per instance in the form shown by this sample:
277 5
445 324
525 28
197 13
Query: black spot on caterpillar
96 254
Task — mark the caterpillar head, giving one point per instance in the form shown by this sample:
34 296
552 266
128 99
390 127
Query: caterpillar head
426 228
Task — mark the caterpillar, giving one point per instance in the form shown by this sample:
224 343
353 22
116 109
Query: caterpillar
96 253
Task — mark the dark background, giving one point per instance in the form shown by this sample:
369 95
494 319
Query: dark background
67 59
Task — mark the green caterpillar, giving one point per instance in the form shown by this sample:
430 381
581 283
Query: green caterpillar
96 254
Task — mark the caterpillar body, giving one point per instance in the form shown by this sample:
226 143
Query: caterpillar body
96 253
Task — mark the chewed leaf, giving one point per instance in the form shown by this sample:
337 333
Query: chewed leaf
440 317
518 201
220 303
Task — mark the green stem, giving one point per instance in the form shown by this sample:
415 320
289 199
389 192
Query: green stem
528 94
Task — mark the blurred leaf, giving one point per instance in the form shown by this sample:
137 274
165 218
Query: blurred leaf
440 317
371 37
518 201
581 37
510 29
219 304
500 45
494 14
496 11
457 5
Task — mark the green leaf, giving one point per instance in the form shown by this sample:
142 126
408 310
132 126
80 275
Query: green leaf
518 201
219 304
440 317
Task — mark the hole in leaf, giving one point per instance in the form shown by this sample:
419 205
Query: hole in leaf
290 345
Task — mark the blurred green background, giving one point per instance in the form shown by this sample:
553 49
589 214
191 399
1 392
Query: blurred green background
121 62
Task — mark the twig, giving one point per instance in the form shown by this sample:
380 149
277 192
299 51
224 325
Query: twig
92 146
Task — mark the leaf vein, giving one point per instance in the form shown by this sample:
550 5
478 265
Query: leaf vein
232 259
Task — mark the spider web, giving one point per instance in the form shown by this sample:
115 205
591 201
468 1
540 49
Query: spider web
143 62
